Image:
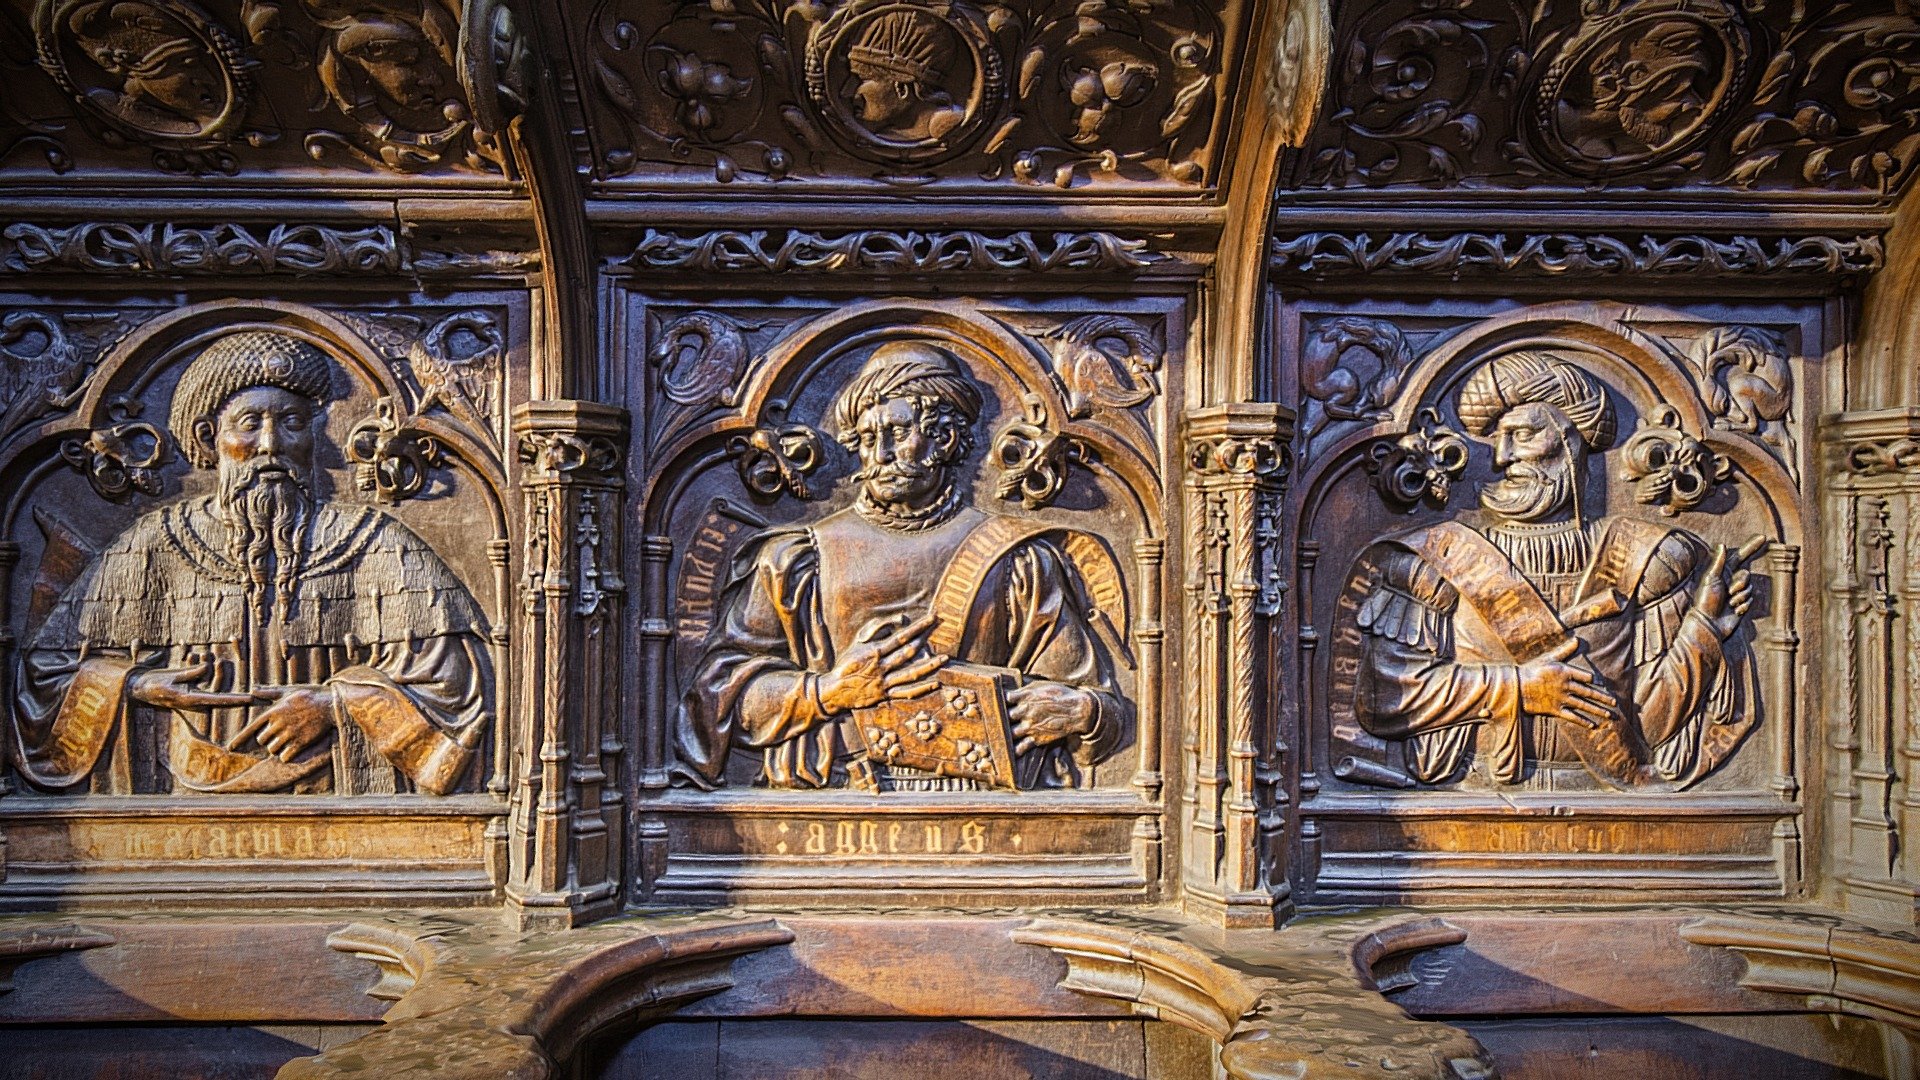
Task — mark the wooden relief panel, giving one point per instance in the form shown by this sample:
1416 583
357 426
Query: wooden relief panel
241 86
256 552
1036 94
1548 561
1611 93
900 558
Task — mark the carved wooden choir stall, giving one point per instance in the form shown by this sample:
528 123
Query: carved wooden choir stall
982 538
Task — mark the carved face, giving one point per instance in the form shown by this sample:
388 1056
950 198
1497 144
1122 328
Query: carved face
397 61
1651 84
883 100
263 432
905 453
1537 451
183 85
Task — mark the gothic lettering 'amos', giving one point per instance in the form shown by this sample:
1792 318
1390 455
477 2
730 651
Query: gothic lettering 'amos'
1537 642
262 638
910 641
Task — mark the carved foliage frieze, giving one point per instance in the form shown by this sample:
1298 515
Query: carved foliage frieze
1637 93
220 87
1328 254
1034 92
874 251
235 249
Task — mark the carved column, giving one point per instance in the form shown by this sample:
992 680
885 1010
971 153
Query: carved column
1874 738
1234 802
566 803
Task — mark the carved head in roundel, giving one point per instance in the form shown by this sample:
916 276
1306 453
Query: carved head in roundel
393 59
1639 87
902 82
161 70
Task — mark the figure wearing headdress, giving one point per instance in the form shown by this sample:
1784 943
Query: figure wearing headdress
821 620
898 64
261 638
1554 649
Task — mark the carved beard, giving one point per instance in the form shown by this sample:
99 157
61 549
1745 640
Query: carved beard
266 515
1530 492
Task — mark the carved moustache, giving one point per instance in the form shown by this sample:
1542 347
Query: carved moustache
1527 491
272 467
898 470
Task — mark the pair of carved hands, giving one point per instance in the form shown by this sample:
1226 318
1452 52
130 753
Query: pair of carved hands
891 662
299 716
1550 686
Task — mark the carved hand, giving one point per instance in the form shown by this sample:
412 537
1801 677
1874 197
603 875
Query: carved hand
300 718
172 688
882 665
1722 598
1549 686
1047 712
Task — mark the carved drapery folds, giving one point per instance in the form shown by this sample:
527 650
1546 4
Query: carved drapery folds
1032 93
1235 800
1640 93
567 811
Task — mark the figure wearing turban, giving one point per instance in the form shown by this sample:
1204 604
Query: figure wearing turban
261 638
823 619
1557 650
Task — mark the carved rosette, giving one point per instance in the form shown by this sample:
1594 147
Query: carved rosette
777 458
1238 461
566 814
1419 467
120 458
392 459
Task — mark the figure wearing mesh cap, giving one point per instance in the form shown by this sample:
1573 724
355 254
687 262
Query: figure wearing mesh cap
1536 642
261 638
